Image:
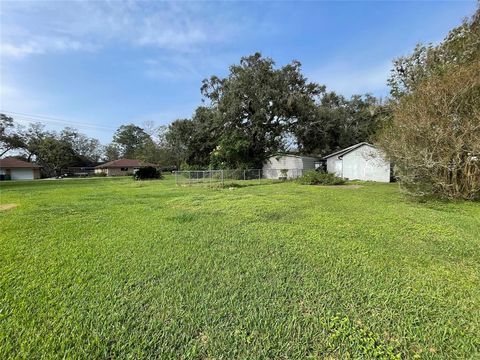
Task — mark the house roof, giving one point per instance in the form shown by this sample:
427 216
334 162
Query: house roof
124 163
11 163
345 151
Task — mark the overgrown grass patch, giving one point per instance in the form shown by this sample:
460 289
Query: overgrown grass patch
112 268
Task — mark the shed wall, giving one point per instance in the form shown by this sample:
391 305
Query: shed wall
366 163
294 164
334 166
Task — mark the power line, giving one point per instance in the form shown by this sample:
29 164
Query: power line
53 120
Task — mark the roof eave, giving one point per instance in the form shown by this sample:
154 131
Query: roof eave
341 153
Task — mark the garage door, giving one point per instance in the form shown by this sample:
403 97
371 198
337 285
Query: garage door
21 174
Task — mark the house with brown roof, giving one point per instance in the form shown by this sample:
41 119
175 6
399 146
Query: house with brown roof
14 169
121 167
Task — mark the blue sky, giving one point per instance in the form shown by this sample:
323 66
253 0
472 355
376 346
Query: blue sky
100 64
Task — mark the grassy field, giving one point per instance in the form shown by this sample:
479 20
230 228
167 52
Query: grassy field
111 268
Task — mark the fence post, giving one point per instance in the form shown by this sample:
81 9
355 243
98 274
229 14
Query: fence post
223 182
176 178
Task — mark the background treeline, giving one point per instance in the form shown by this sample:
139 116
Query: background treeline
256 111
54 151
429 127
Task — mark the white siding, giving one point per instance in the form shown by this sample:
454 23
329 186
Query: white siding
284 162
294 164
334 166
22 174
366 163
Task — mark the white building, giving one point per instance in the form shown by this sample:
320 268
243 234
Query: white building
14 169
362 161
290 166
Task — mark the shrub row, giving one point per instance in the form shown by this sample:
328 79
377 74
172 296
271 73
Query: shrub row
320 178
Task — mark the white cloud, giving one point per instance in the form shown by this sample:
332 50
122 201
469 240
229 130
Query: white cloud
192 67
350 78
44 27
42 45
171 67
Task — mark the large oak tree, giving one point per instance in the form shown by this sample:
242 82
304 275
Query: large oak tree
255 107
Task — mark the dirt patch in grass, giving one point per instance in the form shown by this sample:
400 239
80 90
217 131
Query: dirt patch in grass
7 206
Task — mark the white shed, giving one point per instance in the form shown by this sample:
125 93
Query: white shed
362 161
293 165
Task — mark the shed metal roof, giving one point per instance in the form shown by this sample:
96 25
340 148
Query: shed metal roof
295 155
345 151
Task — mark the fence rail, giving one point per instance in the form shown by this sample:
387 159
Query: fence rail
193 177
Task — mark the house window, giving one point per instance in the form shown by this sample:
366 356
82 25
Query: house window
123 169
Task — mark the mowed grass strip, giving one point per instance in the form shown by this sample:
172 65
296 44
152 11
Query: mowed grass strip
111 268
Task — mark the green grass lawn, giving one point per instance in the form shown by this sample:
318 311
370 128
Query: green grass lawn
111 268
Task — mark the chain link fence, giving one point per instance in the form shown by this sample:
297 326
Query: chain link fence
220 177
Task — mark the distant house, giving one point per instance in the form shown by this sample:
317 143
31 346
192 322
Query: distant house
362 161
14 169
292 165
121 167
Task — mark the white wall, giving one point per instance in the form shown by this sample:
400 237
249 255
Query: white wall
294 164
334 166
366 163
284 162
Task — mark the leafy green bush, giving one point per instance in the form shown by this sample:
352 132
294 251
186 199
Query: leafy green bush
148 172
101 174
320 178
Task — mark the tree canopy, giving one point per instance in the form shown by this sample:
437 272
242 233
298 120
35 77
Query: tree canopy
131 141
259 110
256 106
433 136
460 47
54 151
10 135
337 122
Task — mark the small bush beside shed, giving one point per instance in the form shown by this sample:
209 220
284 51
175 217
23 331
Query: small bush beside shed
320 178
